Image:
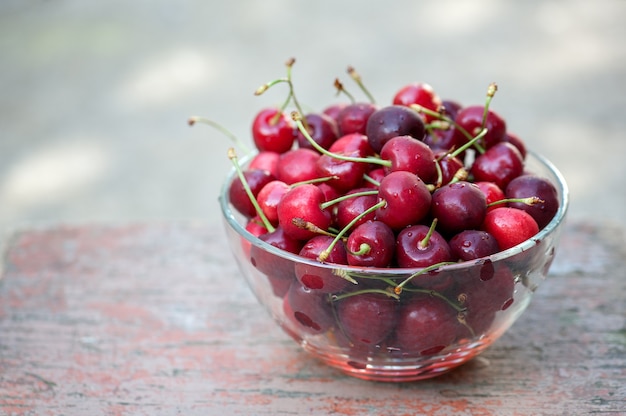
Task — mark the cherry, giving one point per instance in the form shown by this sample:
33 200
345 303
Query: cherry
407 199
421 246
473 244
333 111
458 206
374 177
484 291
350 208
366 318
515 140
347 174
321 127
409 154
256 180
269 196
531 185
371 244
279 270
493 193
298 165
425 325
319 278
421 94
308 309
471 119
499 164
451 108
303 201
329 192
392 121
451 167
265 160
510 226
272 130
353 118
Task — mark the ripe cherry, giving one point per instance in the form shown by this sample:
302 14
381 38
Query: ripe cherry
510 226
473 244
471 119
350 208
322 129
268 198
499 164
273 131
298 165
265 160
256 179
421 94
412 155
371 244
322 279
493 193
421 246
458 206
366 318
531 185
303 201
353 118
392 121
407 199
308 309
348 174
425 325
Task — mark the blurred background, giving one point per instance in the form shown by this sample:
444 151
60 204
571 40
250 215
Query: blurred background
95 96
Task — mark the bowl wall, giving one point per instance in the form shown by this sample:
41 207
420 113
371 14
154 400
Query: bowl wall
397 324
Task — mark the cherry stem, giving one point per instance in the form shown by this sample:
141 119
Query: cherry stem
436 294
341 89
347 196
313 181
398 289
324 254
357 78
472 142
344 274
297 118
424 242
371 180
235 161
423 110
491 91
364 249
309 226
199 119
364 291
531 200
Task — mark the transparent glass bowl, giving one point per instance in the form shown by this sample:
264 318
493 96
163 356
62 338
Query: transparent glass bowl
439 320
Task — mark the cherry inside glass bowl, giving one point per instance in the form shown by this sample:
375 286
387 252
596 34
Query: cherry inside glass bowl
395 324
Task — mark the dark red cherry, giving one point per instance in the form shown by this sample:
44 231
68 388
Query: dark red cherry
392 121
371 244
473 244
471 119
303 201
273 131
426 325
333 111
525 186
322 129
451 108
413 249
458 206
450 166
307 309
353 118
492 192
298 165
412 155
407 199
368 318
500 164
266 160
516 141
238 196
350 208
268 198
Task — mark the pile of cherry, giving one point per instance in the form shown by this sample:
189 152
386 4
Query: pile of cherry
419 183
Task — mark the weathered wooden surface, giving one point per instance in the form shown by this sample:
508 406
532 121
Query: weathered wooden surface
154 319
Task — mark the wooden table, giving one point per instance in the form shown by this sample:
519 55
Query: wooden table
151 319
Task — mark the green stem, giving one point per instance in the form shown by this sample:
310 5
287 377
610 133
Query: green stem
336 298
347 196
199 119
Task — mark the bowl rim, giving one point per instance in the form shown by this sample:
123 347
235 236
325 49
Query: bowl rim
550 228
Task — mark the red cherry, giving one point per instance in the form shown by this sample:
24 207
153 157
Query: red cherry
368 318
528 185
392 121
297 165
322 279
353 118
238 196
272 131
379 241
268 198
500 164
458 206
414 250
493 193
322 129
412 155
303 201
471 119
307 309
419 93
407 200
510 226
266 160
348 174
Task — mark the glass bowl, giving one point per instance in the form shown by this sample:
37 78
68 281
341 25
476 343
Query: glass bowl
397 324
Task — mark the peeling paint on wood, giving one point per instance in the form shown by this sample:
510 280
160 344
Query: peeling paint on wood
154 319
